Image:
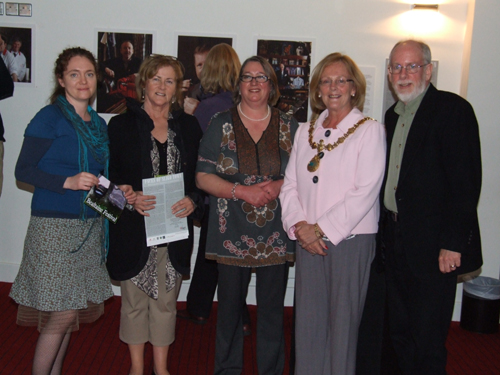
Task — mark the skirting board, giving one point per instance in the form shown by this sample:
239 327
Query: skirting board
8 272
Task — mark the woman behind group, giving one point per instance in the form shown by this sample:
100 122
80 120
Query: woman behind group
62 280
148 141
218 78
330 205
242 159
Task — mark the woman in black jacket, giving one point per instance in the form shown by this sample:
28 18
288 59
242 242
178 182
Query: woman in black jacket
145 142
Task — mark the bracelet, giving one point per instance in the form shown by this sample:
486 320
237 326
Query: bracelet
316 230
233 191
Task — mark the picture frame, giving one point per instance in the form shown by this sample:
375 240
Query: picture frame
12 9
291 61
25 10
25 56
119 55
191 52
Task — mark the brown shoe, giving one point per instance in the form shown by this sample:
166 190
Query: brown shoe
185 314
247 329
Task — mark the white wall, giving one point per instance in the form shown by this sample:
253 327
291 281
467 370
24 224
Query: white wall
364 29
483 93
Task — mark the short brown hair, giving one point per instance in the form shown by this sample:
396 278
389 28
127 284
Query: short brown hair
221 69
150 67
274 95
61 65
358 100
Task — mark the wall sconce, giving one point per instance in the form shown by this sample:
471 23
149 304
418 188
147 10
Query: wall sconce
425 7
423 20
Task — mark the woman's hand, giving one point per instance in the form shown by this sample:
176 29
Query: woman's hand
190 105
256 194
183 208
273 189
144 203
81 181
129 193
307 238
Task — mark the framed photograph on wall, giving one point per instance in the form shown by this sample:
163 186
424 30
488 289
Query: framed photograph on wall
18 52
291 61
119 56
192 51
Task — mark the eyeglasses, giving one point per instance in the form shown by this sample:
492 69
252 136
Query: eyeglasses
339 82
410 68
258 79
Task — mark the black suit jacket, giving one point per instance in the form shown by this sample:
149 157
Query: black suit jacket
439 183
283 80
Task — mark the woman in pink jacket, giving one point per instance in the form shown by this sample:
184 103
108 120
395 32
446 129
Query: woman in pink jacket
330 206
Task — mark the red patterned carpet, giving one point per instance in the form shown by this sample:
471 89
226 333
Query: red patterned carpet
95 349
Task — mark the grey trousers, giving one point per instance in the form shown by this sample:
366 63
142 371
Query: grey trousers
330 296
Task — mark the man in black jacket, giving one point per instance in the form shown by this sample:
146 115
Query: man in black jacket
6 91
430 196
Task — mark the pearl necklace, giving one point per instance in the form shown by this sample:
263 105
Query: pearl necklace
313 165
252 119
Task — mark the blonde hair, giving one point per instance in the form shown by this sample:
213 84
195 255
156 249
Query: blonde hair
221 69
358 100
150 67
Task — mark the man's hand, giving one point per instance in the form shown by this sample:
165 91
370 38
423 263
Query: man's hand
449 260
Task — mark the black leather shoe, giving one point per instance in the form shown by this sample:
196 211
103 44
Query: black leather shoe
185 314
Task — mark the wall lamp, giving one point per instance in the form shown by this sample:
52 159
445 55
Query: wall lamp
425 7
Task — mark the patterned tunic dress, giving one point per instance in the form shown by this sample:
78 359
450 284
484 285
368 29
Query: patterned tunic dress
240 234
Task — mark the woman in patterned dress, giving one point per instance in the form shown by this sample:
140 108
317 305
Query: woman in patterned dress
155 138
62 280
241 163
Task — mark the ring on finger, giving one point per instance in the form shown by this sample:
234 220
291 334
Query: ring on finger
452 266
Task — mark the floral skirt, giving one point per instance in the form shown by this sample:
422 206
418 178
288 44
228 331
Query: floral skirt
61 281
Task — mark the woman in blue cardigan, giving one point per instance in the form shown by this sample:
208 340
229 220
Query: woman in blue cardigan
62 280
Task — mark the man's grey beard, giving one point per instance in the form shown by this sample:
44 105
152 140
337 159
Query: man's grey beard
406 98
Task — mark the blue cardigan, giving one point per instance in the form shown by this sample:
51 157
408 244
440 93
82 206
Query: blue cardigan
48 156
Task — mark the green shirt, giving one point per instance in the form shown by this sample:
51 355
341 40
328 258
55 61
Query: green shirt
406 115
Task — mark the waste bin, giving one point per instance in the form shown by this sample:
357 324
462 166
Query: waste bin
481 305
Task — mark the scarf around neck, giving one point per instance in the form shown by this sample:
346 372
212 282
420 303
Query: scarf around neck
91 136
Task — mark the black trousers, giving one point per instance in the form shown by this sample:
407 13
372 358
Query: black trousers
204 281
232 291
420 309
371 328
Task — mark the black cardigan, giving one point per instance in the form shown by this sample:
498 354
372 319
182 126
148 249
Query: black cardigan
130 162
